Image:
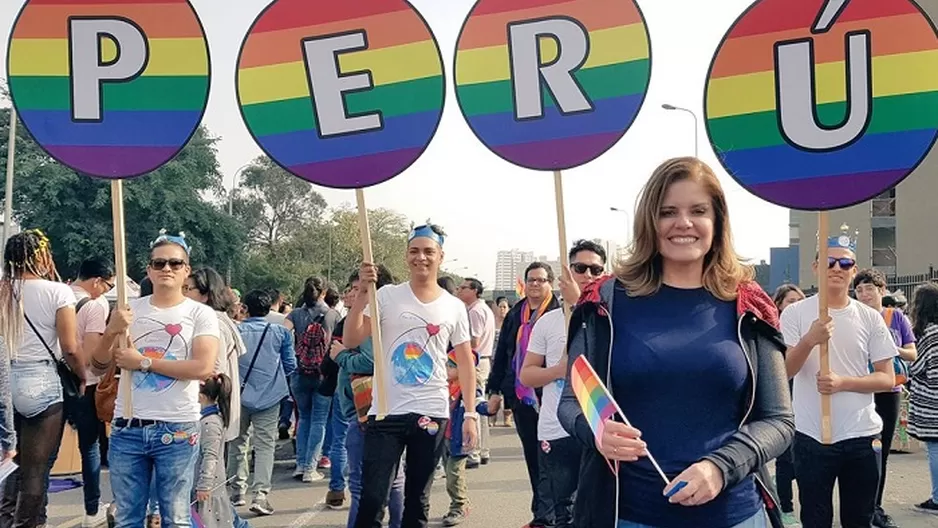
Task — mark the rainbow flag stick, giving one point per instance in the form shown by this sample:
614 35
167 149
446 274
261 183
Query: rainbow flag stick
598 406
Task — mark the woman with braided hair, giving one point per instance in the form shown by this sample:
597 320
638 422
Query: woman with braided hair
38 326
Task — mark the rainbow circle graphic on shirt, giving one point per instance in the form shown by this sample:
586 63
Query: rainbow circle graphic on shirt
342 94
412 364
822 104
151 381
110 88
548 84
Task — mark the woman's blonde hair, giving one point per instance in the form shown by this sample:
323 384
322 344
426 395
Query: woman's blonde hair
723 270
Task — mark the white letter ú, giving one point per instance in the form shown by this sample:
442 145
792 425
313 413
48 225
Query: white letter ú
328 86
527 70
89 71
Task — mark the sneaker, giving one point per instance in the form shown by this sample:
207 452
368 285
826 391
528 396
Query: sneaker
298 473
112 515
324 463
484 461
237 499
283 432
473 464
311 475
882 519
789 519
261 506
92 521
455 517
335 500
928 506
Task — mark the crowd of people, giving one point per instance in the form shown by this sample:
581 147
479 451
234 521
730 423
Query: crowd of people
713 377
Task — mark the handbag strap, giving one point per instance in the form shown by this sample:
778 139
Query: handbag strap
41 340
254 359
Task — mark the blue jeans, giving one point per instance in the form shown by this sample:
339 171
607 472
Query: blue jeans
338 455
164 450
313 415
756 521
286 412
34 386
355 443
932 449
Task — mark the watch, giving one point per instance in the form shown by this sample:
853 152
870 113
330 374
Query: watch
145 364
472 415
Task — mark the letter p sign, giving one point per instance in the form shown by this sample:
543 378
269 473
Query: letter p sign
90 67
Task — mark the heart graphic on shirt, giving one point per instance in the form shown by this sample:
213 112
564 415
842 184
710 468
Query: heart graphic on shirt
174 329
433 329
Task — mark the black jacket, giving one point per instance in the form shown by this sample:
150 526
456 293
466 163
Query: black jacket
502 378
767 429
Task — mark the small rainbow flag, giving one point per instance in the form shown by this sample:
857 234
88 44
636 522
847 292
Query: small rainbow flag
614 78
742 117
596 402
406 69
144 121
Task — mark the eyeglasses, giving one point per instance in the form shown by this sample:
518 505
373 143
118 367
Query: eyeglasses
110 285
595 269
537 280
845 263
174 264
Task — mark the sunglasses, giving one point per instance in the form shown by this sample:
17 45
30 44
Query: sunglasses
595 269
844 263
174 264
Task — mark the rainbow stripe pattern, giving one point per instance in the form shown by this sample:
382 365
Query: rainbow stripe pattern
743 120
614 78
144 121
278 108
594 398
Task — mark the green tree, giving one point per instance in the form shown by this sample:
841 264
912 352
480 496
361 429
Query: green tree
75 211
274 205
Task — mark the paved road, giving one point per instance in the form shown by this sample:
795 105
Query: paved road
499 493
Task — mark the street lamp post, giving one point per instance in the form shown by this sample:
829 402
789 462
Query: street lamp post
628 217
696 125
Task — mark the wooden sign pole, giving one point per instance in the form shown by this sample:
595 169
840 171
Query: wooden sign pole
824 354
378 378
562 238
120 268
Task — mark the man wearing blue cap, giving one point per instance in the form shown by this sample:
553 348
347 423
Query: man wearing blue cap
418 321
857 336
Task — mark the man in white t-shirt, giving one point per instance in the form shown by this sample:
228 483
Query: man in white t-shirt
857 337
174 342
545 366
482 328
95 278
418 321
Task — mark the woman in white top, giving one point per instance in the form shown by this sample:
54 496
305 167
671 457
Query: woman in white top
39 326
206 286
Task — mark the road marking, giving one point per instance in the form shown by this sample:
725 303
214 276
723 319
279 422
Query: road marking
304 520
72 523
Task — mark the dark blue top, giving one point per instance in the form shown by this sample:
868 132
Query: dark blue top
680 376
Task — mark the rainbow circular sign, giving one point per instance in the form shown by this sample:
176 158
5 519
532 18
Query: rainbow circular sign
823 104
342 94
551 85
111 89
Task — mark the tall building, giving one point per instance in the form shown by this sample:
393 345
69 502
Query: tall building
506 267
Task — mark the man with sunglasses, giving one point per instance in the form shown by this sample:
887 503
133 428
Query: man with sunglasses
857 337
545 367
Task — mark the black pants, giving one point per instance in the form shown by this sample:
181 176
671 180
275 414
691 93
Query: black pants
385 442
784 476
526 426
24 491
887 407
560 467
853 464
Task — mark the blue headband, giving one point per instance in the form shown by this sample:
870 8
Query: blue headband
179 240
426 232
844 240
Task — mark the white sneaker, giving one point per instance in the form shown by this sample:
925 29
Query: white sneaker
311 475
93 521
298 472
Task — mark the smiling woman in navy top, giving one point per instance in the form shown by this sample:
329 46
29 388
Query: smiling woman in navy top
680 339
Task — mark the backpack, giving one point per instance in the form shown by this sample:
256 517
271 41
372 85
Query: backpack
312 347
899 365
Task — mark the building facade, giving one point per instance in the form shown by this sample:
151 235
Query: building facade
506 267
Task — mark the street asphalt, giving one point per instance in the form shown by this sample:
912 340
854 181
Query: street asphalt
499 492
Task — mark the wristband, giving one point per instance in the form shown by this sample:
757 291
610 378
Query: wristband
471 415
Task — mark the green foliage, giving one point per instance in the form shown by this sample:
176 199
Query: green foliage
75 211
